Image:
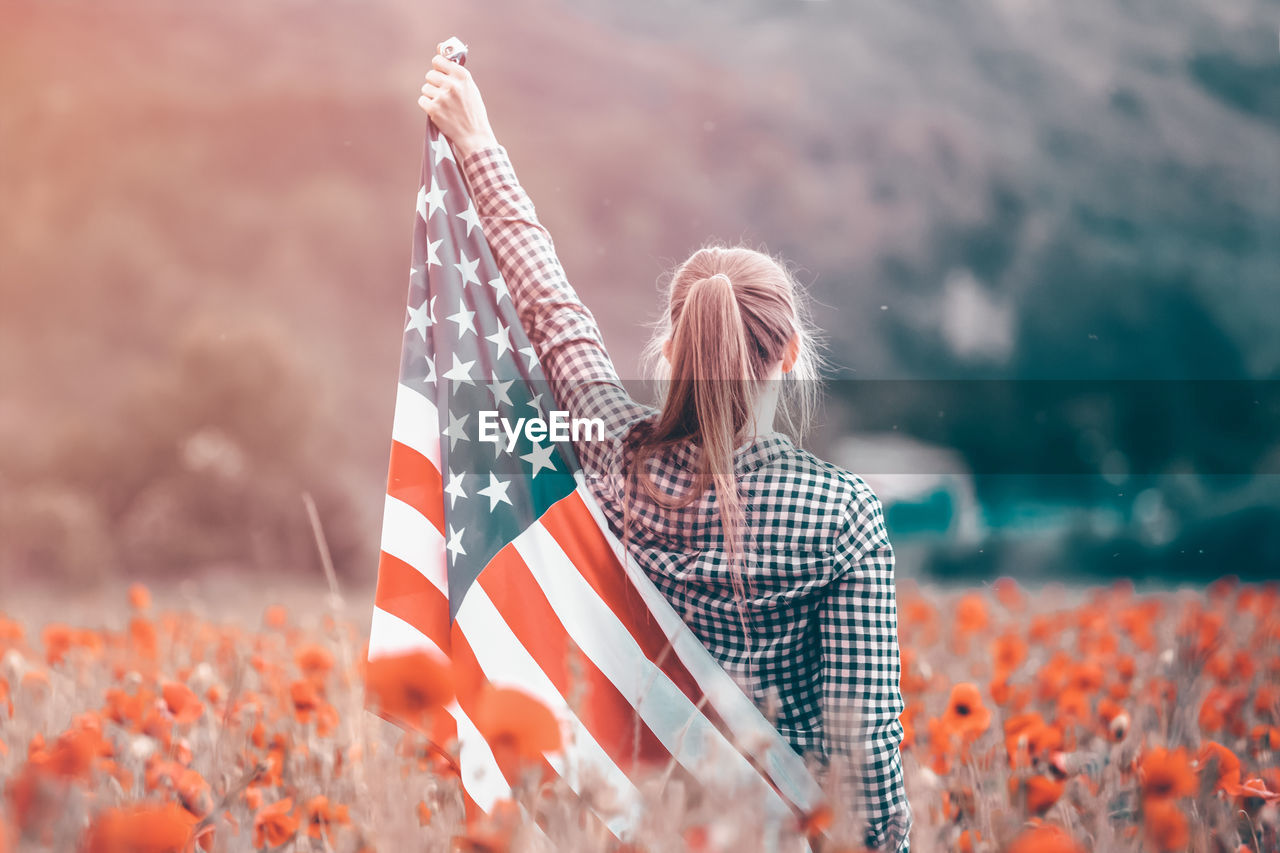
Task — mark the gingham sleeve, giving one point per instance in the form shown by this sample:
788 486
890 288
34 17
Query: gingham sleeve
858 626
563 332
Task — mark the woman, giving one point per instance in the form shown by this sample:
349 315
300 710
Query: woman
778 561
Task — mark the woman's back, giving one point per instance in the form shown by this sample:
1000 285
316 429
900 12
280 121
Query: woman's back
804 517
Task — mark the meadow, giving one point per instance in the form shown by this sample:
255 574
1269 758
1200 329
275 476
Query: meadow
1053 720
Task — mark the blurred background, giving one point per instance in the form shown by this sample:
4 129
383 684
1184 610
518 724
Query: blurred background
1043 241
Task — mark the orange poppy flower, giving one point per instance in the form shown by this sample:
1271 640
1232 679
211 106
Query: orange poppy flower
315 661
1165 824
1166 774
1228 765
1009 593
516 725
58 640
182 702
275 616
1009 651
1266 702
305 698
143 638
1265 737
971 613
408 686
1074 706
193 791
322 816
273 825
1043 792
139 597
1028 737
965 714
1045 839
163 828
1256 788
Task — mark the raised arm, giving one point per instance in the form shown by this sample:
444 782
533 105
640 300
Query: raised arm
858 619
563 332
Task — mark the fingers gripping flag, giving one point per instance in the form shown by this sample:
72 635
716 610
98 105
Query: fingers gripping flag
497 560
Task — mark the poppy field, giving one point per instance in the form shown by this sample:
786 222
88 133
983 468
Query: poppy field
1059 720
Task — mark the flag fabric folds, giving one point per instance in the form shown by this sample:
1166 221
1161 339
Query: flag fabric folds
495 557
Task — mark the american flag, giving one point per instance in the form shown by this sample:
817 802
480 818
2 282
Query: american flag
500 560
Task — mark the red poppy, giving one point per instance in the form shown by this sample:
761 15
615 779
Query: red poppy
1166 774
1165 824
273 825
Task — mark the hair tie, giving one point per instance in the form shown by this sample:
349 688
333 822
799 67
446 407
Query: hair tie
726 278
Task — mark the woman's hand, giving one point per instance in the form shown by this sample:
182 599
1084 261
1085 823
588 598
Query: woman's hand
452 100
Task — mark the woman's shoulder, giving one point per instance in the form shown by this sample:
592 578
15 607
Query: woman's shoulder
805 463
843 493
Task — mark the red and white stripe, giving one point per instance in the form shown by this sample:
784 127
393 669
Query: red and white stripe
559 615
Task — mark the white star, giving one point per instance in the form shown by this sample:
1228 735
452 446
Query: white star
536 402
454 489
464 319
469 216
500 286
440 147
432 257
434 199
501 339
467 268
528 353
454 429
420 318
496 492
540 458
499 390
431 369
461 370
455 541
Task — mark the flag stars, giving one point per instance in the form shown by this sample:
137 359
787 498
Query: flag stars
455 429
528 353
499 390
460 371
464 319
441 149
496 492
454 545
501 339
421 317
499 286
470 217
539 458
454 488
467 268
433 257
434 200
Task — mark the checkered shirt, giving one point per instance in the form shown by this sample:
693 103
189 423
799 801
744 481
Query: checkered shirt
821 610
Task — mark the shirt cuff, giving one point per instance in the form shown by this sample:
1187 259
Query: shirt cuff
488 171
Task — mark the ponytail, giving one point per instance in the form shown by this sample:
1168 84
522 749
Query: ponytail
730 314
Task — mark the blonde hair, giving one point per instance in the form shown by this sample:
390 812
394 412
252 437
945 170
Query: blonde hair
730 313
